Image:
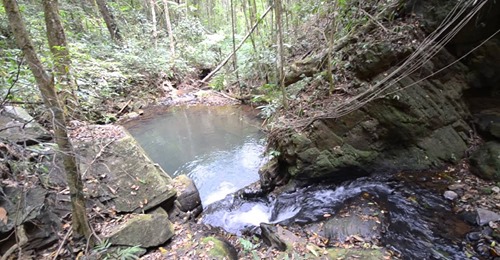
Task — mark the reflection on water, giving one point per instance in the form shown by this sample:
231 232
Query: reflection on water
218 147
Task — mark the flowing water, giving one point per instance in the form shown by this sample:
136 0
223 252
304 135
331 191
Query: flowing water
218 147
418 224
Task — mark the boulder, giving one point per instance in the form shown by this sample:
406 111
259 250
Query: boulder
485 161
119 172
19 127
188 197
144 230
219 248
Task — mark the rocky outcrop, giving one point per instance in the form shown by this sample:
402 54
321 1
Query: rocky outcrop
425 124
124 176
19 127
417 128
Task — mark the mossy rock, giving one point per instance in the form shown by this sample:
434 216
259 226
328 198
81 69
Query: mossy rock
219 249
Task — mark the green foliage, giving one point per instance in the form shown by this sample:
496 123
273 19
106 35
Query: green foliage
247 245
217 82
128 253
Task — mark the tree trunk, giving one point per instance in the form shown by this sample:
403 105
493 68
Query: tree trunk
170 31
281 72
60 54
45 84
235 57
109 19
153 20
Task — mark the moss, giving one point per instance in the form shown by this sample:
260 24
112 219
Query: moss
219 249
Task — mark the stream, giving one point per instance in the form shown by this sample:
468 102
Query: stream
220 149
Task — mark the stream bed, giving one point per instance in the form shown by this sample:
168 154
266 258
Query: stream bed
220 148
405 217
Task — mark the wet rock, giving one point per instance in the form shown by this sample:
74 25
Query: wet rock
484 216
450 195
144 230
485 161
219 249
339 229
20 127
128 178
270 237
474 236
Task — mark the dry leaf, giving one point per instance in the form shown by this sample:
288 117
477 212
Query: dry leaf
3 215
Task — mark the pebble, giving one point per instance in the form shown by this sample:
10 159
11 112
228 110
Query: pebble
484 216
450 195
474 236
456 186
495 189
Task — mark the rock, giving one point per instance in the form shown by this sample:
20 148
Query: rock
488 123
144 230
132 115
495 189
127 177
339 229
474 236
20 127
219 249
450 195
484 216
21 205
485 161
345 253
456 186
420 128
188 196
269 237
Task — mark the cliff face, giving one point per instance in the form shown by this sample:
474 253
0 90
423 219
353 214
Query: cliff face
427 123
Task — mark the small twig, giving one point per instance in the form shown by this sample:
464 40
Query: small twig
123 108
99 154
19 63
23 239
374 20
70 231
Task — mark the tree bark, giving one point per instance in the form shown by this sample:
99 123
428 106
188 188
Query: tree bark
109 19
281 71
60 54
45 84
153 20
235 57
170 31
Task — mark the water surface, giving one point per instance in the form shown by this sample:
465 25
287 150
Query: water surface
218 147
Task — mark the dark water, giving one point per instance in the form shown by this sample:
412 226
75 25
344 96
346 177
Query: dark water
218 147
418 223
